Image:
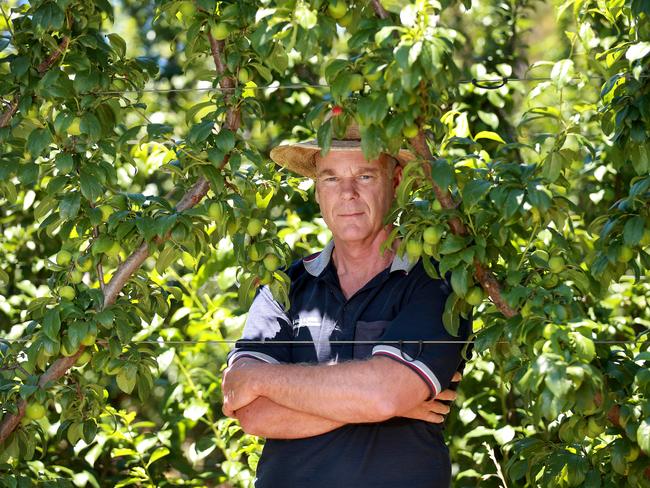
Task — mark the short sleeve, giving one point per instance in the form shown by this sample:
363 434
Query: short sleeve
268 322
421 320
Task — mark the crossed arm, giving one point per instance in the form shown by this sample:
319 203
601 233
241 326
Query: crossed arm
289 401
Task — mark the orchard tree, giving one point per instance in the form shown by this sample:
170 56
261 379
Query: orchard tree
140 212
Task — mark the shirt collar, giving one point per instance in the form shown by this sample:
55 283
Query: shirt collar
316 263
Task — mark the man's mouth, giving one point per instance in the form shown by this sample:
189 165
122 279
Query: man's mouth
351 214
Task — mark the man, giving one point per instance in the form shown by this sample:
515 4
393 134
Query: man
337 413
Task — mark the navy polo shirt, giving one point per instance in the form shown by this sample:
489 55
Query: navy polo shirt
400 303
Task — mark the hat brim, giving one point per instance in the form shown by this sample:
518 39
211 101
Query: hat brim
300 157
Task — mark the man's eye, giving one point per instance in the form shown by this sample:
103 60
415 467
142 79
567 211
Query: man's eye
365 177
331 179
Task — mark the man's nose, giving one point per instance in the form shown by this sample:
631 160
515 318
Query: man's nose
348 188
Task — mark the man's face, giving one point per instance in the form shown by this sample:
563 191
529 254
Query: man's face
354 194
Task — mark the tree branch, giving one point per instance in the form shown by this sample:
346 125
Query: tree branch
379 9
61 366
47 63
482 274
5 118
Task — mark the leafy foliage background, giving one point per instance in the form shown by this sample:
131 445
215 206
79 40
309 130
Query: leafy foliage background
113 111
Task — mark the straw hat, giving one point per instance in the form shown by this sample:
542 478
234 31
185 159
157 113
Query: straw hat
300 157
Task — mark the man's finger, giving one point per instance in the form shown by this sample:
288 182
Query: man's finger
457 377
440 408
434 418
447 395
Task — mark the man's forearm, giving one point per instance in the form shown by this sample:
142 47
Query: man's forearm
352 392
265 418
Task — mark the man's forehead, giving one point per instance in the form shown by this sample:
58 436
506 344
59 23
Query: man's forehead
349 162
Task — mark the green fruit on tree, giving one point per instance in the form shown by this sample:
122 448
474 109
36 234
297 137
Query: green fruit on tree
632 454
254 253
187 10
436 205
83 358
106 211
76 276
85 264
35 411
550 281
215 212
346 20
74 128
271 262
413 249
594 427
254 227
474 296
63 257
356 82
337 8
371 77
433 234
556 264
219 31
625 254
67 292
266 277
114 250
410 131
89 339
541 255
243 76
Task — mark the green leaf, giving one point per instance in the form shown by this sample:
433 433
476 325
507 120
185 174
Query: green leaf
69 206
52 324
459 281
167 256
324 137
452 243
225 140
442 173
450 317
557 381
91 126
493 136
562 72
637 51
126 378
37 141
200 132
64 163
91 188
305 17
643 436
633 230
76 332
474 191
159 453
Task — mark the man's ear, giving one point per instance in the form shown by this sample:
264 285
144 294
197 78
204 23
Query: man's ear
316 193
397 176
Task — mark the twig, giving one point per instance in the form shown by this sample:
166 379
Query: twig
61 366
51 59
5 118
379 9
496 463
483 275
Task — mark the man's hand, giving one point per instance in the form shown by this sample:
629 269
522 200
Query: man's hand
237 386
434 410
